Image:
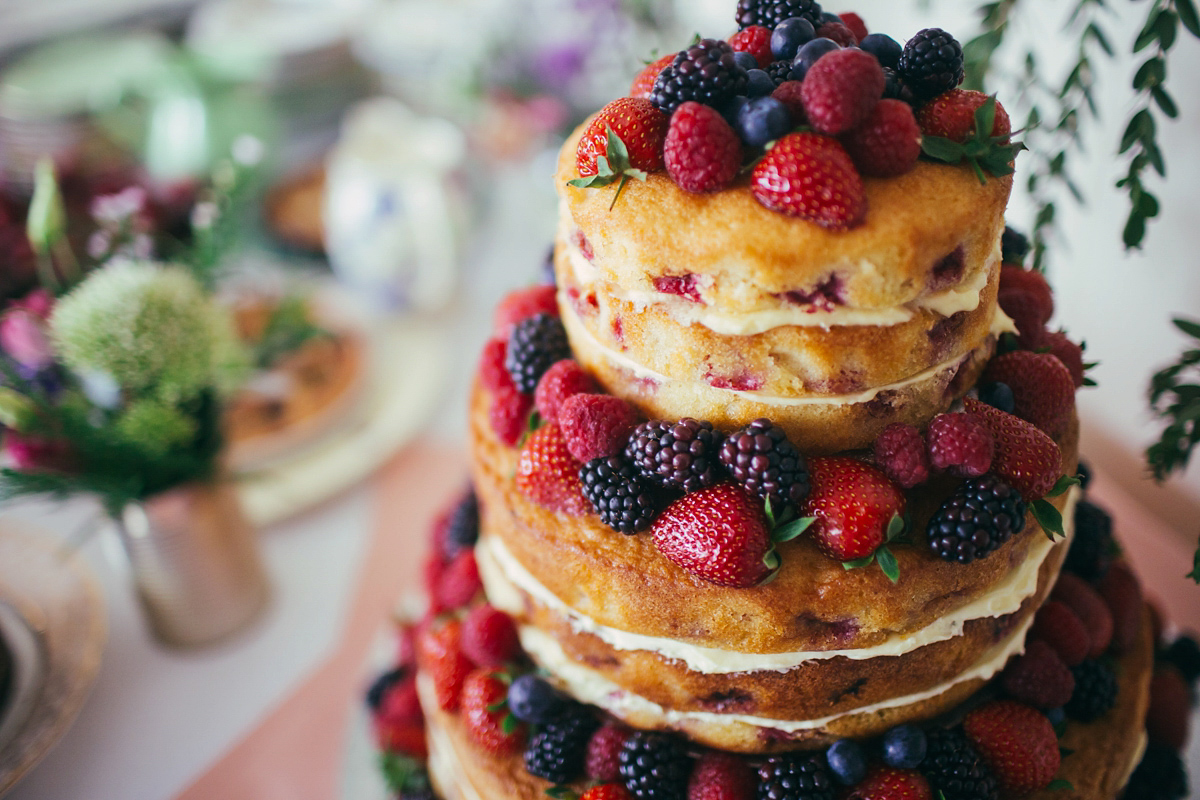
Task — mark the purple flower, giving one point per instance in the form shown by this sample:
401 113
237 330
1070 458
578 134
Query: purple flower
556 67
23 337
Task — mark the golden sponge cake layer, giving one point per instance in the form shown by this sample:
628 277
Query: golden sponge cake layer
740 256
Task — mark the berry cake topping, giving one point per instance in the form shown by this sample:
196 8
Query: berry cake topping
960 442
678 455
718 534
522 304
535 701
655 766
795 776
489 636
1095 690
841 91
702 152
557 751
1043 389
641 128
887 143
1018 743
952 116
563 380
486 715
900 452
536 343
981 515
932 63
548 475
1026 457
811 176
603 761
705 72
721 776
1038 677
855 507
618 493
770 13
889 783
643 84
596 425
755 40
761 458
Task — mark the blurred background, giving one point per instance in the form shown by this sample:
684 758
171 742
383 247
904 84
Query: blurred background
381 172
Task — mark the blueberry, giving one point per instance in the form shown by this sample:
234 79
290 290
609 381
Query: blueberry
533 700
762 120
885 49
730 110
998 395
847 761
1057 716
787 38
759 84
904 747
829 16
809 54
745 60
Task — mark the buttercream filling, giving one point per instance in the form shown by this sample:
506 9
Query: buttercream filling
507 582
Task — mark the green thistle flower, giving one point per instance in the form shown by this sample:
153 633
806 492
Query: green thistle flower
156 427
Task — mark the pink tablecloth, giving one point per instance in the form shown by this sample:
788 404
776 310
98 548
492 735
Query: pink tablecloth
295 753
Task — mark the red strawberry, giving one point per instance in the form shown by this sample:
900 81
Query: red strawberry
492 372
548 475
441 657
1068 352
718 534
398 737
1025 296
853 503
596 425
459 582
522 304
607 791
951 115
400 704
842 89
509 414
1038 677
1123 595
702 153
1026 458
890 783
1061 628
485 712
564 379
790 93
603 761
856 25
489 636
1169 715
721 776
1043 389
643 84
812 177
1078 594
900 453
887 143
640 125
838 32
755 40
961 442
1017 742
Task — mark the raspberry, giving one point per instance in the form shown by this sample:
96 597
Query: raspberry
522 304
1123 594
1025 296
982 514
1095 690
789 93
721 776
557 751
761 458
1161 775
485 712
841 90
509 414
769 13
536 343
1092 547
1017 742
489 636
441 657
492 373
1061 628
1038 677
655 766
678 455
856 25
459 583
462 526
643 84
1043 390
1090 607
812 177
548 475
615 488
563 380
794 776
596 425
1168 717
702 152
887 143
955 769
705 72
932 63
900 453
603 761
960 442
755 40
1068 352
838 32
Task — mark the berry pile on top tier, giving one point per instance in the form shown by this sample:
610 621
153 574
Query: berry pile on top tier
810 100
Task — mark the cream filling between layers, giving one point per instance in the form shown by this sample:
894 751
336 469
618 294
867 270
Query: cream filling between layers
590 687
582 339
505 579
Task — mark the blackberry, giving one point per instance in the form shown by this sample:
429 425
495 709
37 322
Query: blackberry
381 686
620 496
706 72
932 63
1091 549
1095 690
1184 653
761 458
654 766
462 528
769 13
955 769
795 776
678 455
1014 245
779 71
894 87
536 343
557 751
1160 775
982 514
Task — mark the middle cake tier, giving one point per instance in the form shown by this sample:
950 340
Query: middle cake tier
819 653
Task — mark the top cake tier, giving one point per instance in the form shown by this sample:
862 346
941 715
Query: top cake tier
711 305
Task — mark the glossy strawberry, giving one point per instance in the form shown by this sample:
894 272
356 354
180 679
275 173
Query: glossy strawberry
1017 742
755 40
719 534
485 713
951 115
607 791
440 655
853 504
1059 345
890 783
1043 389
810 176
1026 457
639 125
643 84
548 475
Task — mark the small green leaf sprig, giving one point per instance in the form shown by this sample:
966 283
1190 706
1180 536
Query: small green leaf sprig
611 167
1047 516
883 555
986 154
1175 397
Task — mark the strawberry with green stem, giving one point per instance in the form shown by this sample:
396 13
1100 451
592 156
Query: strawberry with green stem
981 149
623 141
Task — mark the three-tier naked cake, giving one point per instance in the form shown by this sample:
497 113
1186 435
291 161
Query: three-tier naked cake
776 486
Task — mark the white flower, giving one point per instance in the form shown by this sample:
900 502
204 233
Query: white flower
248 150
204 214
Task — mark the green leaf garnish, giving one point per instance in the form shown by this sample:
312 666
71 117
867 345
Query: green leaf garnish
1063 483
887 563
984 153
1048 517
403 774
858 563
611 167
785 533
1060 784
508 724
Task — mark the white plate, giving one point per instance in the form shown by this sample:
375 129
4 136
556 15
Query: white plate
52 617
